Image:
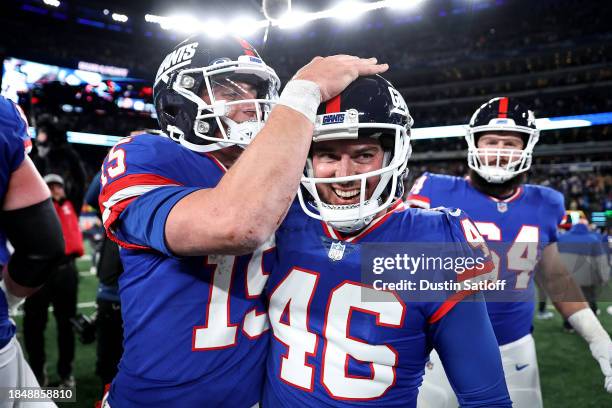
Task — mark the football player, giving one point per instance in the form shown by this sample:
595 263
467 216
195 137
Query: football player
521 220
29 221
188 214
331 345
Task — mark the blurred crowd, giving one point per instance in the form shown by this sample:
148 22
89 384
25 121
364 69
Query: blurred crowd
583 191
445 59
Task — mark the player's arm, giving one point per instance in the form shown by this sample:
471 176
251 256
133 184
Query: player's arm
251 199
558 283
569 301
31 225
468 349
92 193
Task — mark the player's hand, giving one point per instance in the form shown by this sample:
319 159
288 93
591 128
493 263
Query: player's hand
333 74
601 349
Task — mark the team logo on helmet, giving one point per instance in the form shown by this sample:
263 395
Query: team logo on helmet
178 58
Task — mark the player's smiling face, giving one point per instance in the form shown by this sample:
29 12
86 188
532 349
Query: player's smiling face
500 140
343 158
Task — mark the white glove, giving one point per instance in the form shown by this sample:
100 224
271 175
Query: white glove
12 300
586 324
602 352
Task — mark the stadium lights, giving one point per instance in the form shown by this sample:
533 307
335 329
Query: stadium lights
347 11
52 3
293 19
215 28
402 4
122 18
185 24
344 11
243 26
152 18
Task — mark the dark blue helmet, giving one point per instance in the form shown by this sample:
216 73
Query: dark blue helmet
504 115
376 100
369 107
202 81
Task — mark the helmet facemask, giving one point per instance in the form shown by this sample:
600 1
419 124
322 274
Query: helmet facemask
501 114
220 90
395 141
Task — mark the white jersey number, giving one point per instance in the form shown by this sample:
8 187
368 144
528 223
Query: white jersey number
289 309
217 331
522 255
116 155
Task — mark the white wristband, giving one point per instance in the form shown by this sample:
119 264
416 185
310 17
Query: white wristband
587 325
302 96
12 300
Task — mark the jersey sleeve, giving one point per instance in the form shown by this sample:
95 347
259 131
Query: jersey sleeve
141 182
420 193
473 261
468 349
557 208
141 225
13 135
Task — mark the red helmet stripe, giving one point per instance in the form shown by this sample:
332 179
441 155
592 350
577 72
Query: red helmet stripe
333 105
503 108
248 48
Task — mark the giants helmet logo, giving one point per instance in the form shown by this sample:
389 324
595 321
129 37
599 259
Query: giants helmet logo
176 59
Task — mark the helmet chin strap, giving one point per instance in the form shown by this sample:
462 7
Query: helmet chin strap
494 174
354 224
176 134
348 227
241 133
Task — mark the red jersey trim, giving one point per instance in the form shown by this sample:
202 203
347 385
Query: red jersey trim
448 304
133 180
418 199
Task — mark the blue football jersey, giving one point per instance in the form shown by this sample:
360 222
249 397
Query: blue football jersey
517 229
21 129
331 347
195 328
13 129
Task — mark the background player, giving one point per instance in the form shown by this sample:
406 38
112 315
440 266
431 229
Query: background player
194 325
522 218
331 347
29 222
